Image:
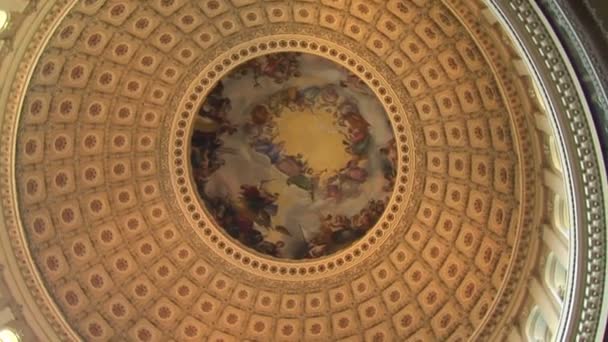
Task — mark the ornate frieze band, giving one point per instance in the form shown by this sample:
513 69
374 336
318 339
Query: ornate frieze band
456 184
26 62
587 181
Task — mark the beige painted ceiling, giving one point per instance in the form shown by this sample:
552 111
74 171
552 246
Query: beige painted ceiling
126 250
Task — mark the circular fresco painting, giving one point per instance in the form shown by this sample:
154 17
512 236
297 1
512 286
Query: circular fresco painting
293 156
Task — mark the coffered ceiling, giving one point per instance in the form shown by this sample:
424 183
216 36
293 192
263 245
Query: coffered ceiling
123 243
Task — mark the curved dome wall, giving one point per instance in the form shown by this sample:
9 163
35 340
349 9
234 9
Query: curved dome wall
582 313
493 226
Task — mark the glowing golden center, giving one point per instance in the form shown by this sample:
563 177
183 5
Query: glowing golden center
314 135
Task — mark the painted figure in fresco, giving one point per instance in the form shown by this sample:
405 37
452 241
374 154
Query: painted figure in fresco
389 164
333 188
210 124
306 98
205 162
317 247
268 148
345 184
291 166
353 82
205 156
298 173
338 231
308 181
244 219
279 67
329 97
258 204
260 115
270 248
354 172
359 138
216 106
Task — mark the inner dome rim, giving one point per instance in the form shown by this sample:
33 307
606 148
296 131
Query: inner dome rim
331 51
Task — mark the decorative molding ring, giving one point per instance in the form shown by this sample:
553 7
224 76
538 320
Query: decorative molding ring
213 237
36 37
583 161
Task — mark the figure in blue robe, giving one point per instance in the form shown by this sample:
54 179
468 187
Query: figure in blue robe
269 149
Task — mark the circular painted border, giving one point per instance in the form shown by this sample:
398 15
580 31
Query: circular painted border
200 220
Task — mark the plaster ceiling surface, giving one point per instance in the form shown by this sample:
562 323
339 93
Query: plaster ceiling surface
109 169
